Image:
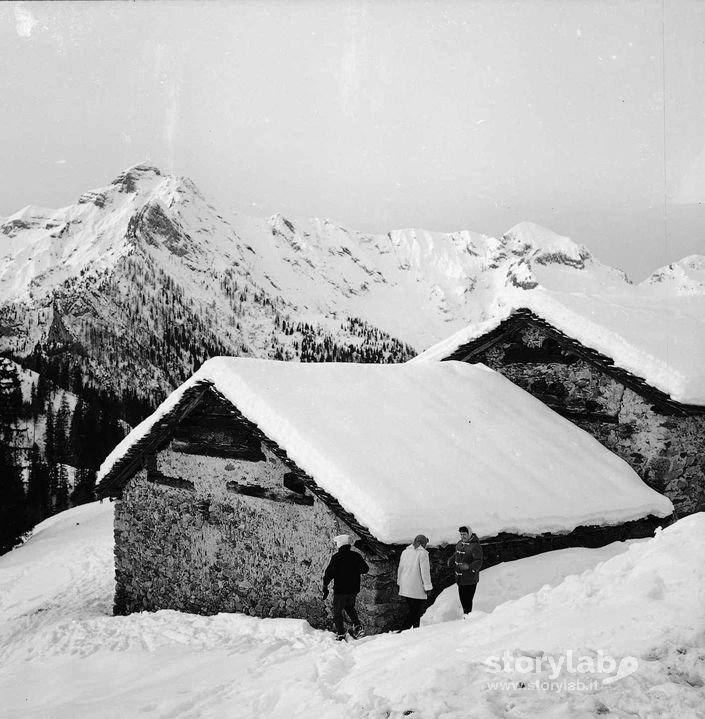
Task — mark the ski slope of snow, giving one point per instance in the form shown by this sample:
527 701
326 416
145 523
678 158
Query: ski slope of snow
624 638
424 447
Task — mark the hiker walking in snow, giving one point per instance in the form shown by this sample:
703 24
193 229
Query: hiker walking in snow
344 570
467 561
414 580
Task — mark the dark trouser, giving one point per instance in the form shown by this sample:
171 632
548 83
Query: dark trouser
467 593
414 610
344 603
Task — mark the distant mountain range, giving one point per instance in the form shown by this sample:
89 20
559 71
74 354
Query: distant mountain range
142 279
128 290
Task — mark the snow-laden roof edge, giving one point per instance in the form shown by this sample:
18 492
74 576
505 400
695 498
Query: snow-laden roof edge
143 429
682 379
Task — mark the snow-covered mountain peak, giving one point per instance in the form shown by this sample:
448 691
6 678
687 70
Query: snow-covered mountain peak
687 276
544 246
41 248
132 185
133 177
285 228
16 225
29 212
538 256
411 283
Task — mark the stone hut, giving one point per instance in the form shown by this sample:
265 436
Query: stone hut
631 377
229 495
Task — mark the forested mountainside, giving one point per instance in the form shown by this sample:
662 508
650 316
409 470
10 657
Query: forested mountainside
51 442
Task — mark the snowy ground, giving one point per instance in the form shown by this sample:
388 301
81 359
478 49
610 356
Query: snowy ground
624 638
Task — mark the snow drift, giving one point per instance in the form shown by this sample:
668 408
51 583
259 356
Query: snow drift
62 654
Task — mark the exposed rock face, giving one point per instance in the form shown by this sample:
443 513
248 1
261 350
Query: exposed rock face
58 334
96 198
664 450
128 181
153 224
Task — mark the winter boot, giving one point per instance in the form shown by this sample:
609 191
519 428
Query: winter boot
356 631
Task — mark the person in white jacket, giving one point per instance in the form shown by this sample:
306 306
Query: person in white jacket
414 579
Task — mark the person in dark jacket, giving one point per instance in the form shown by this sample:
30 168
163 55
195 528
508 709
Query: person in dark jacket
467 562
344 570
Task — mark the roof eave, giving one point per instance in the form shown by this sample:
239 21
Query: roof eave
133 460
662 402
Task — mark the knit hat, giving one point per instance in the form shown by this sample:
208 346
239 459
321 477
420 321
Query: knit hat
341 540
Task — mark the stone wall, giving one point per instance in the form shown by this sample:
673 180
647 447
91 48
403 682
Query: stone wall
666 451
187 542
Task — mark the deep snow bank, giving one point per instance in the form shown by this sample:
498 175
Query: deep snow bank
624 638
513 580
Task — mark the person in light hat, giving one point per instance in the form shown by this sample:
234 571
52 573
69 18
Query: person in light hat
344 570
414 580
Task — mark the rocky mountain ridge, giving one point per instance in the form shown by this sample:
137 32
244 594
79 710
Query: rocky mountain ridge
142 279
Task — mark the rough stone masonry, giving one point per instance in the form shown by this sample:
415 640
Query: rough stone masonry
665 450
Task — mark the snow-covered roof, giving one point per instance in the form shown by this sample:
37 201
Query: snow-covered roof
425 447
658 339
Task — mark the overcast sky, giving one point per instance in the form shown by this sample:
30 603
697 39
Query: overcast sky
587 116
